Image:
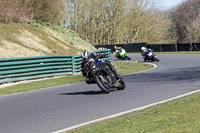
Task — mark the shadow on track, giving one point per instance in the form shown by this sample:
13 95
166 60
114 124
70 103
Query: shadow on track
84 93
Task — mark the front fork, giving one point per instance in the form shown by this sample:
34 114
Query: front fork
113 69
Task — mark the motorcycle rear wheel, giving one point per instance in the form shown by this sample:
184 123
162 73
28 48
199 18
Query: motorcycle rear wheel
121 85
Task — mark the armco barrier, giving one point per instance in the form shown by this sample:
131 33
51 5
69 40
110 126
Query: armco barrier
136 47
17 69
130 47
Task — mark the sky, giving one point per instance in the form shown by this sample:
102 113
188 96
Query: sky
166 4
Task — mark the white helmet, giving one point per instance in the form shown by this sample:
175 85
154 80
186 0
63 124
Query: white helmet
86 55
143 48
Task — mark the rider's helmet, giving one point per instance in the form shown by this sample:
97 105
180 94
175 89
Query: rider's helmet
86 55
143 48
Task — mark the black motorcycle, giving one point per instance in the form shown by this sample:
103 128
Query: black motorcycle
102 73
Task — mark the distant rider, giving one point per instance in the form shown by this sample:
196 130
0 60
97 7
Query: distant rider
145 51
117 50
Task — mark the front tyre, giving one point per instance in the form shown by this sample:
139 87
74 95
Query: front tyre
128 58
103 83
156 59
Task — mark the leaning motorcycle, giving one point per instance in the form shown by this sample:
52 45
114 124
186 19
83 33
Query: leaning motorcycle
122 54
150 56
102 73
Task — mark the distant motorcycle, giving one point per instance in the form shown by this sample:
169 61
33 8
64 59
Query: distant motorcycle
102 73
150 56
122 54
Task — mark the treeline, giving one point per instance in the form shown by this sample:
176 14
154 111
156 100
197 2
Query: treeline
111 21
186 22
15 11
117 21
133 21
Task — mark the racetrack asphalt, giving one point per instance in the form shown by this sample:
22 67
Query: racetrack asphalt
51 109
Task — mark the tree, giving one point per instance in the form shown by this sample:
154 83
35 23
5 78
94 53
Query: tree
184 18
25 10
116 21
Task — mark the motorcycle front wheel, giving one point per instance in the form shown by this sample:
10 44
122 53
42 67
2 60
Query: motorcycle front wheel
103 83
156 59
128 58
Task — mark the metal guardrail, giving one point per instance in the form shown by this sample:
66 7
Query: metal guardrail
18 69
172 47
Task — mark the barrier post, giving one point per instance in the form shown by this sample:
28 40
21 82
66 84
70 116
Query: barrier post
176 47
73 64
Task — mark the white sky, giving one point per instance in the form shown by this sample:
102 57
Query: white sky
166 4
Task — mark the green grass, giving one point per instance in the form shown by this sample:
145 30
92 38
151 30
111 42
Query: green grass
127 67
9 32
178 116
123 68
40 84
52 37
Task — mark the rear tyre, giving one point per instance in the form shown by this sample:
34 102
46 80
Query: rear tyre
103 83
122 85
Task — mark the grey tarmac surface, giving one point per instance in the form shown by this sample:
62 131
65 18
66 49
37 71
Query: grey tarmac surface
51 109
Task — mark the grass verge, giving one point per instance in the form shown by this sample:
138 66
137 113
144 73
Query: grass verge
177 116
122 67
38 39
130 67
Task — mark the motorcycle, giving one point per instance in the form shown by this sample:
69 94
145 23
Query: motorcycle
122 54
102 73
149 55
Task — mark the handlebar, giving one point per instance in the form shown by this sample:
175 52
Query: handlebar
100 55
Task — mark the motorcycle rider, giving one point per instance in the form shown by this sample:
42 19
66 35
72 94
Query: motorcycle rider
87 65
117 51
87 60
145 51
148 54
